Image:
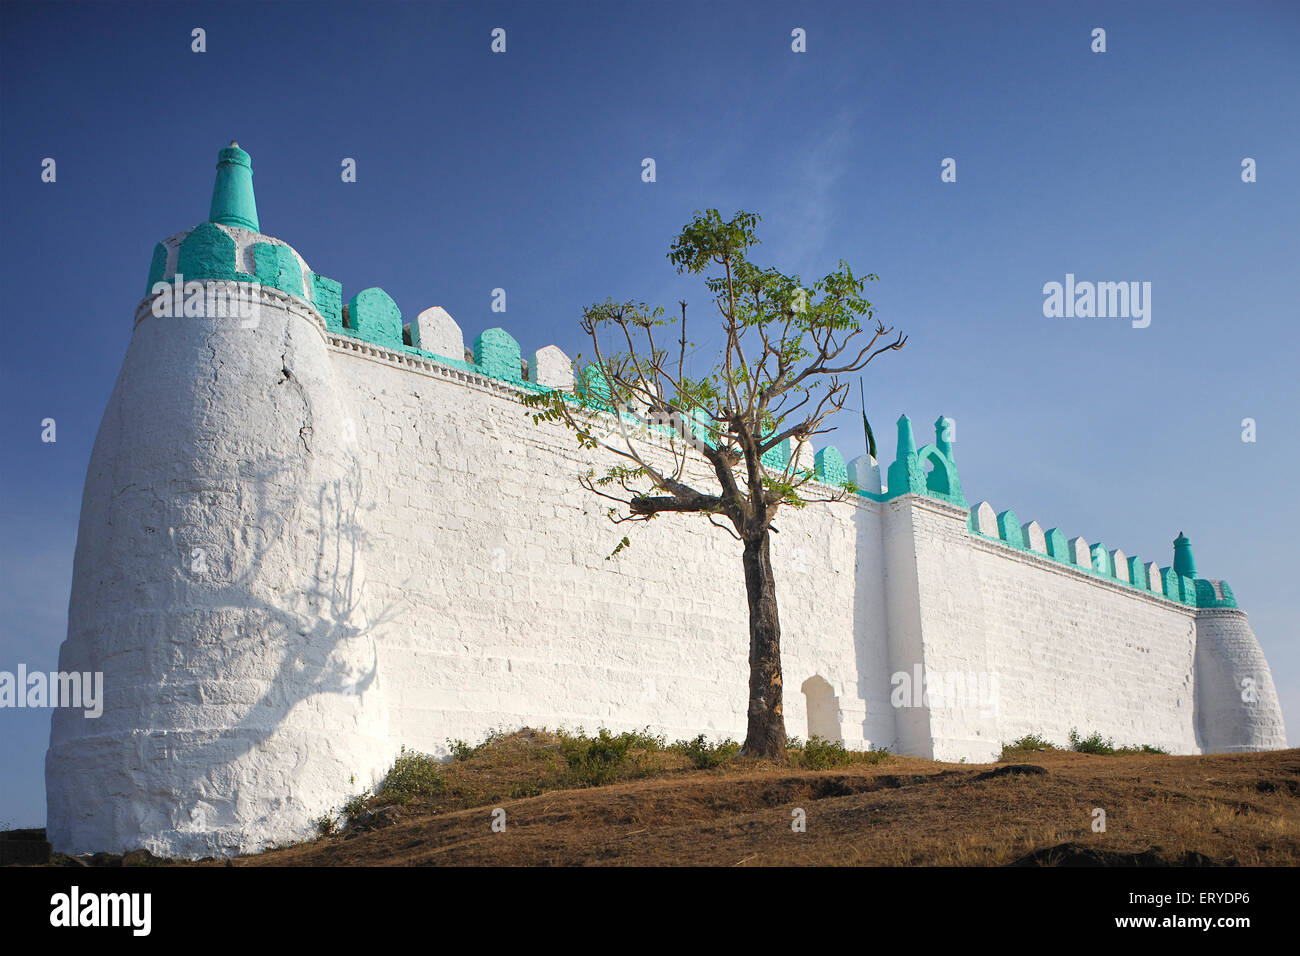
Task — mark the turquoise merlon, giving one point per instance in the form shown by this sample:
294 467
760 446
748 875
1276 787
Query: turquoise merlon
375 317
497 353
157 267
233 202
828 465
1009 529
1177 583
208 253
327 295
278 267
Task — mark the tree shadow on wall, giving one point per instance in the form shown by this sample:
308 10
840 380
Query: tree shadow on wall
320 630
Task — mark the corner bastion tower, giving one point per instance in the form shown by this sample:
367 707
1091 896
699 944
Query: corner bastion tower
313 533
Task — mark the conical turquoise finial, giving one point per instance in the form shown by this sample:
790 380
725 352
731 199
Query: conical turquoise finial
906 443
233 203
943 436
1184 560
905 474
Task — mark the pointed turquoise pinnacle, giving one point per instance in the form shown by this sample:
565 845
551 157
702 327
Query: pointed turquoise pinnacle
233 203
1184 561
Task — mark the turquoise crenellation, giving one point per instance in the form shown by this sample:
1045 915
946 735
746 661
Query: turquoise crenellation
1058 546
1009 529
1137 574
497 353
233 202
593 388
276 266
157 267
778 456
208 252
327 295
829 467
1177 583
375 317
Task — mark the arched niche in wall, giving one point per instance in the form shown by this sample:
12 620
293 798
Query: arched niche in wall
823 709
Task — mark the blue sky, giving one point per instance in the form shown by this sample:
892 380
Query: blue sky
522 171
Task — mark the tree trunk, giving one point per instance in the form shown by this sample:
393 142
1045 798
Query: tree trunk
765 736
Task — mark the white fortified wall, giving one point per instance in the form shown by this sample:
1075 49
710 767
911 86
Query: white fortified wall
300 551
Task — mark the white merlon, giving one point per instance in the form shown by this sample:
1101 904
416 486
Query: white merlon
1035 540
864 471
1080 553
434 330
552 367
1119 561
986 519
1155 581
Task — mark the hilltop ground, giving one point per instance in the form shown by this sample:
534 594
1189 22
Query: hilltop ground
1034 807
629 799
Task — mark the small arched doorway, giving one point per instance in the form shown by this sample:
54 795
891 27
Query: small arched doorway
823 709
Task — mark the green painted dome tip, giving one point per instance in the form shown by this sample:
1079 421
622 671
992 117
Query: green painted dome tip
233 201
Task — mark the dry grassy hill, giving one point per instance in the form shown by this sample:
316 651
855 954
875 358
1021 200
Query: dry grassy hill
662 808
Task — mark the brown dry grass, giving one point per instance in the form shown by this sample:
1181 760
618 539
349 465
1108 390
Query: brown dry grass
1230 809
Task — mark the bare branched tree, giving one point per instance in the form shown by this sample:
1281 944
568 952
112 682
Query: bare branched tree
736 436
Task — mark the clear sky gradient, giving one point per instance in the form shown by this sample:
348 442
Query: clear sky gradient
522 171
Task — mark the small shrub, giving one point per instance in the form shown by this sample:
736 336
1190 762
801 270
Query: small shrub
413 774
460 750
606 757
821 754
1027 742
355 807
327 825
704 755
1092 744
1143 749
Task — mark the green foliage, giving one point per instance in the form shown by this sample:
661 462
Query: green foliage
1025 743
821 754
1142 749
1094 744
355 807
460 750
704 755
327 825
412 775
607 757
